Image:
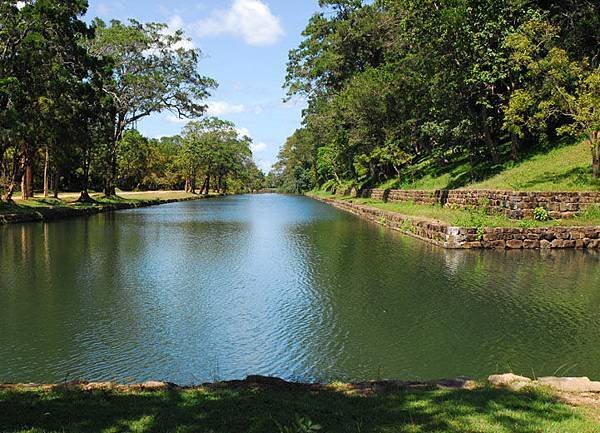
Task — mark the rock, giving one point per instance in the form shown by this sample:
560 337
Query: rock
152 384
531 244
457 383
570 384
514 244
510 380
98 386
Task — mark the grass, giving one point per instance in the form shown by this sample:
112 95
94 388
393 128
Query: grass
69 201
289 409
565 168
469 218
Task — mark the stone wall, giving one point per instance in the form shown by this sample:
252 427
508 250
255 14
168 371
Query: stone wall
513 204
447 236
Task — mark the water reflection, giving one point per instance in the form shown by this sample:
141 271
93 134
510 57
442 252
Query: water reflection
286 286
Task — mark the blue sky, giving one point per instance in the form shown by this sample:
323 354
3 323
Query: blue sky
245 45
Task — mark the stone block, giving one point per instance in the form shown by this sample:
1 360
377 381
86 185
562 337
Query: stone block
514 244
531 244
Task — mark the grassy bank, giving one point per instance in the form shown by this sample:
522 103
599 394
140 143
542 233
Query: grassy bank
468 218
289 408
40 209
566 168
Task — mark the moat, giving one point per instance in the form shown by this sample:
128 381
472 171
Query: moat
286 286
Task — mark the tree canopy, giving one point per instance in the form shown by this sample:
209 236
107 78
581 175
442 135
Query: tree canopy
71 95
394 84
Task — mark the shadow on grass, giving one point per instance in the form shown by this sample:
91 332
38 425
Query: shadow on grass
247 410
578 176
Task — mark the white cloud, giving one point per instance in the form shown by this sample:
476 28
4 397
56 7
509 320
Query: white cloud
252 20
176 23
264 164
220 108
244 132
258 147
255 147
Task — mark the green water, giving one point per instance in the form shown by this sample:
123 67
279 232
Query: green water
286 286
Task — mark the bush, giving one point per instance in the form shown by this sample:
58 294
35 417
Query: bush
540 214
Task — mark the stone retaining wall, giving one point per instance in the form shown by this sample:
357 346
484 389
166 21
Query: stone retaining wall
444 235
513 204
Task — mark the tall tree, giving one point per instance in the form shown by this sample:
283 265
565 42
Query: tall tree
153 70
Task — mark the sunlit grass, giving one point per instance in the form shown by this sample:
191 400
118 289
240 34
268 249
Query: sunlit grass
566 168
231 410
67 203
469 218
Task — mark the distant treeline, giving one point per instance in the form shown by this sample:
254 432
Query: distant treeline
71 94
395 85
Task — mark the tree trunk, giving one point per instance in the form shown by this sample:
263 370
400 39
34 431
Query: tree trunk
27 179
47 173
595 142
55 184
10 190
207 183
489 138
203 187
514 147
84 197
110 189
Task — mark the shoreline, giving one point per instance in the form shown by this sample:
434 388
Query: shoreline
446 236
575 385
272 405
74 210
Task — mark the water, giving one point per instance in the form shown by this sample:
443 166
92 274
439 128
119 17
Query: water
286 286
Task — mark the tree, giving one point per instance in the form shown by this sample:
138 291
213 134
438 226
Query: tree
213 148
558 90
153 71
42 36
398 88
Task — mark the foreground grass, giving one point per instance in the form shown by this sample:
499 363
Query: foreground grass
566 168
468 218
289 410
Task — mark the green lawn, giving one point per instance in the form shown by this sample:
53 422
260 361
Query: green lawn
566 168
468 218
68 201
290 409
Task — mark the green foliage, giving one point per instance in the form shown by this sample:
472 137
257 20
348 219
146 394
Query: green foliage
540 214
592 212
301 425
471 84
70 94
213 148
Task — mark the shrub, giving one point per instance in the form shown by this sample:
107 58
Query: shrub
540 214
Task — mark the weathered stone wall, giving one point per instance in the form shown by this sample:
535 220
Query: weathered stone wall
432 231
528 238
513 204
467 238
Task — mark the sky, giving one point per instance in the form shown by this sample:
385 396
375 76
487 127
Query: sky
244 46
